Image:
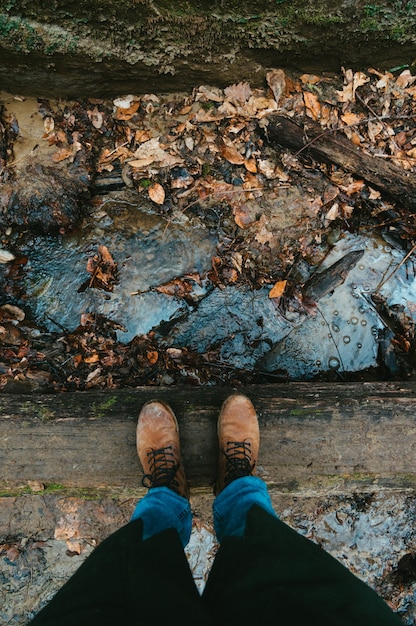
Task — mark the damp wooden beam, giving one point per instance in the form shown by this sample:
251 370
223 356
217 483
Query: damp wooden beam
332 146
342 437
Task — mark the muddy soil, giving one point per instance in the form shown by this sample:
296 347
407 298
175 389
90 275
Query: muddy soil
46 537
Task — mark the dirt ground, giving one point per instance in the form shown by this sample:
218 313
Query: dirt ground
46 537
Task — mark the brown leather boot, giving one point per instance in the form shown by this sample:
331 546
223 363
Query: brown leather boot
158 447
238 438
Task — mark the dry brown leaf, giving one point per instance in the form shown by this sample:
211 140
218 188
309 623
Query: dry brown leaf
405 79
353 81
6 256
152 152
208 116
374 129
96 118
250 165
330 194
62 154
355 186
351 118
140 136
312 104
278 289
267 167
125 114
48 124
239 92
209 93
231 155
93 358
152 356
264 235
11 312
333 213
185 109
310 79
157 193
276 80
244 214
176 287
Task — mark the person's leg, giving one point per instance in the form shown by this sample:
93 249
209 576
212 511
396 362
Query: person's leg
264 571
140 574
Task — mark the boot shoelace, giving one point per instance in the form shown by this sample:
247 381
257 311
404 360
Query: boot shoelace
238 460
162 469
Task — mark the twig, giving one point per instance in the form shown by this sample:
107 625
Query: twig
409 254
332 337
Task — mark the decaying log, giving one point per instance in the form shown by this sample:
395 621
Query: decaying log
334 147
342 437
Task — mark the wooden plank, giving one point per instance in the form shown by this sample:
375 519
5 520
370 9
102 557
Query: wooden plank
320 436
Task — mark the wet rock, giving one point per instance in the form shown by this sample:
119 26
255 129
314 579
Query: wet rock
45 199
243 325
148 251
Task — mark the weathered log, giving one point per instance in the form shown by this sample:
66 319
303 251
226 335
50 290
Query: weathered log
343 437
334 147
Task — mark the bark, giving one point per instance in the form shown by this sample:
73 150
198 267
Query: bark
334 147
61 47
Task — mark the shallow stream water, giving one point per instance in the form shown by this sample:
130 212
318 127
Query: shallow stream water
248 328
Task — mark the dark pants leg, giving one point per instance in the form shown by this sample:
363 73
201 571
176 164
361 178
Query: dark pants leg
273 575
127 581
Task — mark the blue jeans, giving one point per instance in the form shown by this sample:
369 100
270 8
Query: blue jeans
162 508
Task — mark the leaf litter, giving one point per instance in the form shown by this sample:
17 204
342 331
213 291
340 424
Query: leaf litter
204 155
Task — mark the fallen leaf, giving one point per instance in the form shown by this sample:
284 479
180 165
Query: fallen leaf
11 312
157 193
250 165
374 129
244 215
231 154
176 287
12 553
351 118
333 213
209 93
240 92
278 289
93 358
276 80
62 154
96 118
152 356
48 124
310 79
6 257
152 152
267 167
312 104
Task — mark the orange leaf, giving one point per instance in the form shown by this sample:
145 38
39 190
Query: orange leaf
127 113
157 193
92 359
243 215
278 289
312 104
62 154
250 165
231 154
152 356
